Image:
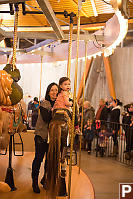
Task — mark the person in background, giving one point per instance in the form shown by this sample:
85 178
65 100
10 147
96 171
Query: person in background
127 122
102 113
41 135
88 112
32 113
115 120
109 105
34 108
88 133
103 138
80 104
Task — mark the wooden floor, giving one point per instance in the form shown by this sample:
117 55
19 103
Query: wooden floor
81 185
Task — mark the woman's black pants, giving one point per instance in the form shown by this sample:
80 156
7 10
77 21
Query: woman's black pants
41 149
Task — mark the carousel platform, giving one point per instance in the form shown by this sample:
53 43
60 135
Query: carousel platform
81 186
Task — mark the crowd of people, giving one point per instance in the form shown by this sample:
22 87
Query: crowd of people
103 123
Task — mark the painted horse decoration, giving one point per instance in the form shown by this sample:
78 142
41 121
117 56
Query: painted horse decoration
10 95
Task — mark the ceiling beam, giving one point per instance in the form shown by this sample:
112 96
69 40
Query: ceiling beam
31 35
50 29
41 44
94 8
11 1
48 12
40 35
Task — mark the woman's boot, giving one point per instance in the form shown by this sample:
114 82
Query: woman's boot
44 182
35 184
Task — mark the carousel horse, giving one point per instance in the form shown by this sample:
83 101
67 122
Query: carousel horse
10 112
11 121
56 166
10 94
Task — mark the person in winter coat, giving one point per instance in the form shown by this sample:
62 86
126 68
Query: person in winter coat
88 133
128 128
35 106
102 113
41 135
115 123
88 112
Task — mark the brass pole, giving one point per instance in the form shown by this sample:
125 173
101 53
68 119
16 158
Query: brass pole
83 104
40 82
74 102
15 35
69 50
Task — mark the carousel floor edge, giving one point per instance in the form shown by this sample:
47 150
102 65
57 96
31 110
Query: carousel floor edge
81 186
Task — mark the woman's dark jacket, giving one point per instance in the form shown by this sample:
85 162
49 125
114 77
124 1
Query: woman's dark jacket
115 118
43 119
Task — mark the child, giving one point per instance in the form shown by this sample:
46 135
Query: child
88 133
103 140
62 101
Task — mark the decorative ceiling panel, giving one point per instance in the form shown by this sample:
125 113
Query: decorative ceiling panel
103 10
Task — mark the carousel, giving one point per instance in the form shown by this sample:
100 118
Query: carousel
50 22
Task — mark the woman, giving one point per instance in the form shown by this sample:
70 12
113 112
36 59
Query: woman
41 134
89 112
115 123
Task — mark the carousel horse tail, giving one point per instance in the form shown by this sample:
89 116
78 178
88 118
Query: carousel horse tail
53 167
4 135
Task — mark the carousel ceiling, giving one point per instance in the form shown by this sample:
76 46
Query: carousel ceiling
42 22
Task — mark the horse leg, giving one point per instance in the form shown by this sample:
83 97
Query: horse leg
4 135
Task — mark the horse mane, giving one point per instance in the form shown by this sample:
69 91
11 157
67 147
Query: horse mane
53 158
5 88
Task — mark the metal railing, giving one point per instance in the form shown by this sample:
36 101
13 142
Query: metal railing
113 140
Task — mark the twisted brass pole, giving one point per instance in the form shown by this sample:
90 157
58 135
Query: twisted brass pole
83 104
69 50
15 36
74 102
40 81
